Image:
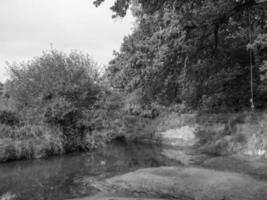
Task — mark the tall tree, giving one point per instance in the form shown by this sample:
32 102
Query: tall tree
190 51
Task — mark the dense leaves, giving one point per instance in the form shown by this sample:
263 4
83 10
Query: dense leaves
57 91
9 118
192 52
52 75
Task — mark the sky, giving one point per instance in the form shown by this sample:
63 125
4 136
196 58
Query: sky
27 27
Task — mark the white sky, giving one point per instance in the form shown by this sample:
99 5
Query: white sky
27 27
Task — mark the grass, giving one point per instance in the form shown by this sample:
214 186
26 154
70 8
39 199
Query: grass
28 142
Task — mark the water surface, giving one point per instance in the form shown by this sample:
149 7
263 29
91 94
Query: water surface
59 178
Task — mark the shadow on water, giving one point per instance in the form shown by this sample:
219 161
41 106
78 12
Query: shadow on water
62 177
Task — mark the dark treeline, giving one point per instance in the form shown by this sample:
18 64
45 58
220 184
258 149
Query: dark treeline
194 53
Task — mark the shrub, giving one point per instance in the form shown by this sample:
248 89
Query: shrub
9 117
61 113
31 141
54 75
59 91
6 131
74 123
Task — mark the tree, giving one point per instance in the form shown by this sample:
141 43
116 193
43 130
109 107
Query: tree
189 51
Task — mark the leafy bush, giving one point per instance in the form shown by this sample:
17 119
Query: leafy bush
6 131
72 121
8 117
31 141
54 75
57 91
61 113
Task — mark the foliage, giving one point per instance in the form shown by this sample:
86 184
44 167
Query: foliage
6 131
9 118
53 75
1 88
53 92
56 89
74 122
30 141
150 6
191 53
61 113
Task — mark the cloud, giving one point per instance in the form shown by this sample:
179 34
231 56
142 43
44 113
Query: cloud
28 27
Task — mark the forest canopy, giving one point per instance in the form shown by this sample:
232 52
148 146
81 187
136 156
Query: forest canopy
206 54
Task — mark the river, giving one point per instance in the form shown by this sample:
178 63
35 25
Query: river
58 178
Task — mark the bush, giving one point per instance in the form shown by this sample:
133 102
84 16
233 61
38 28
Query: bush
6 131
61 113
31 141
58 91
9 118
54 75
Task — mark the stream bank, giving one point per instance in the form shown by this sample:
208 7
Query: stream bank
176 167
222 157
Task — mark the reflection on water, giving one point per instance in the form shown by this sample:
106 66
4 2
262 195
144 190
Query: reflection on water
60 178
